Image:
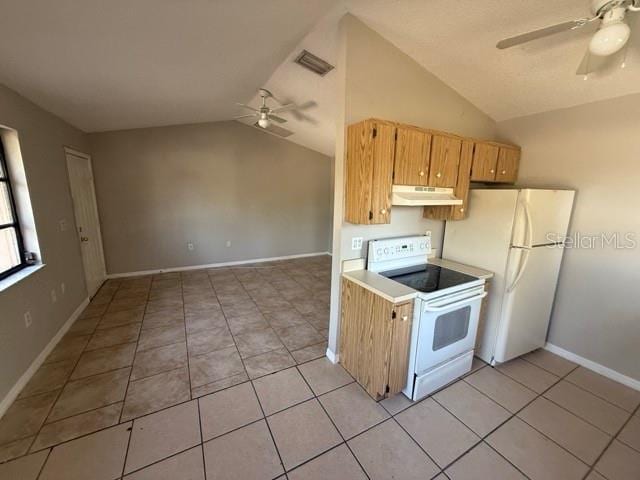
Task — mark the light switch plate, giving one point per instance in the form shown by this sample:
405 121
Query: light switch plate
356 243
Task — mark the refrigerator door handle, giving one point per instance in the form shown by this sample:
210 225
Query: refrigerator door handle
521 270
527 213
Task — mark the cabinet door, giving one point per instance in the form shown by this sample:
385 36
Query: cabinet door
356 310
459 212
456 212
358 172
508 164
445 156
383 152
365 336
413 147
400 340
485 160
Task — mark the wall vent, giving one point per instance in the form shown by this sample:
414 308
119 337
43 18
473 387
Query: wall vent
275 130
311 62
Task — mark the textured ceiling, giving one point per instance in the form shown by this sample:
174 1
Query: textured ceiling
104 65
121 64
455 40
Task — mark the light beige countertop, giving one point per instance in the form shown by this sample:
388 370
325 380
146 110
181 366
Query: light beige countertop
396 292
462 268
388 289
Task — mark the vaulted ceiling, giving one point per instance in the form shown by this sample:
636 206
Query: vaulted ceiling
121 64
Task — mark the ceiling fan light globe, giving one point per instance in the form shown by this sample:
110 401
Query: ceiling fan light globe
263 122
609 39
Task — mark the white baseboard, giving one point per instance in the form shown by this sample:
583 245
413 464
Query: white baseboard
333 357
26 376
214 265
596 367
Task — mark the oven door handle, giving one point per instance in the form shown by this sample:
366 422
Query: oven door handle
459 303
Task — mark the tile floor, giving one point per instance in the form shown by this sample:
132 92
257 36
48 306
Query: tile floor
220 374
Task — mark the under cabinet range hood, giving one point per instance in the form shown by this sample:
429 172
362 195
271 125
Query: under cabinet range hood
418 196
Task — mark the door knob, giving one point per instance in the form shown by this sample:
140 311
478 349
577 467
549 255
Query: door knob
84 239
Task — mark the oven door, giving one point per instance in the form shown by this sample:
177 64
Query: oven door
448 327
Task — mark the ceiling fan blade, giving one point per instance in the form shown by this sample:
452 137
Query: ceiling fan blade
307 105
284 108
247 106
303 118
543 32
278 119
245 116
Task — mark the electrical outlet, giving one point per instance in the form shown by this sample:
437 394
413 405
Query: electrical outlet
54 297
27 319
356 243
63 288
190 246
228 243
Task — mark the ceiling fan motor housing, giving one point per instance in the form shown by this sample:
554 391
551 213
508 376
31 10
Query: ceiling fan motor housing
602 7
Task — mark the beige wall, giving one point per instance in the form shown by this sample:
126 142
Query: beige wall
595 149
378 80
42 138
161 188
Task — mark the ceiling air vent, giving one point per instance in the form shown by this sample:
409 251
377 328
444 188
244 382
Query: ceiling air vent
275 130
317 65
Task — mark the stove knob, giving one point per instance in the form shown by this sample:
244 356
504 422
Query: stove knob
422 246
379 251
386 251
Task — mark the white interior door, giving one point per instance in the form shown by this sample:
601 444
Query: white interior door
87 220
526 308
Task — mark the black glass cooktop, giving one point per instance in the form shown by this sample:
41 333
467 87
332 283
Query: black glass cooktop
428 278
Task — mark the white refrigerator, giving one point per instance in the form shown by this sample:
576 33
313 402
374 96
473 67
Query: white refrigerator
518 235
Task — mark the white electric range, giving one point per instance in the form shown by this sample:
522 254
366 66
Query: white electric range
445 314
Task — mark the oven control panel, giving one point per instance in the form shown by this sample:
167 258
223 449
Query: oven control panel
389 253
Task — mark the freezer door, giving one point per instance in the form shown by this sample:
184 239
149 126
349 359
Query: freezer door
527 305
542 216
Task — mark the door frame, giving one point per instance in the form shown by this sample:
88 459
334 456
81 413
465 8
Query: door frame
87 157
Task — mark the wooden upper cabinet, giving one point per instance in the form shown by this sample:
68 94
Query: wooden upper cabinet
413 147
485 161
456 212
445 157
508 165
369 171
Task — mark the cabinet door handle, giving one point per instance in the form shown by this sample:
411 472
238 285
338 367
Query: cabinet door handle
404 318
492 171
383 211
462 210
503 172
438 175
421 173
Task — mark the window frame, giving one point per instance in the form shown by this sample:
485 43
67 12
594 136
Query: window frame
14 212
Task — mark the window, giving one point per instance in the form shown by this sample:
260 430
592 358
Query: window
12 256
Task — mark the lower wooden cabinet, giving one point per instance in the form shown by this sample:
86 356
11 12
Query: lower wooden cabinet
374 340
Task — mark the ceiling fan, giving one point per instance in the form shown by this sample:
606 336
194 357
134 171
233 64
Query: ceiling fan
266 114
612 35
